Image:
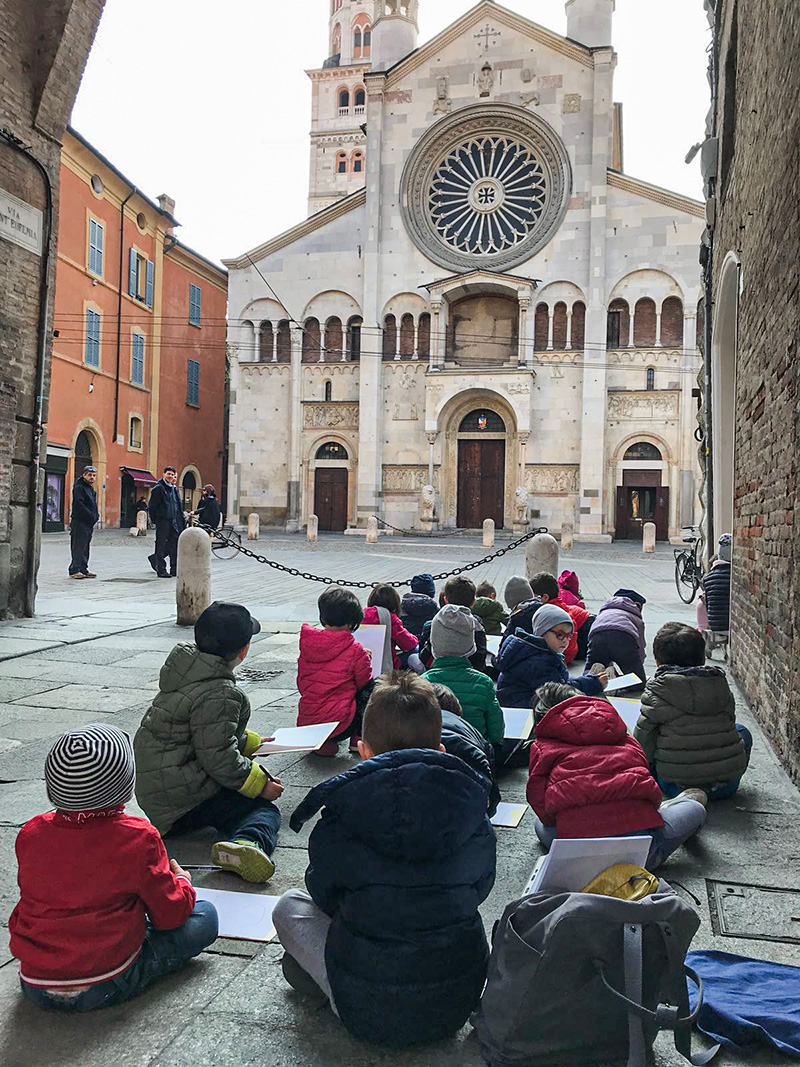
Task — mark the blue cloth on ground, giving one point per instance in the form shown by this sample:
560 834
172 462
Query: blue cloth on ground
747 1003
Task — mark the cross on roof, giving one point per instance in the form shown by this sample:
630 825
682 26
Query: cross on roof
490 31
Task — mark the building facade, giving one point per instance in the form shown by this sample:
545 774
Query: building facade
482 300
751 251
43 50
139 360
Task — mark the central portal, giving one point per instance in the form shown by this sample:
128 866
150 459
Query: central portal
481 470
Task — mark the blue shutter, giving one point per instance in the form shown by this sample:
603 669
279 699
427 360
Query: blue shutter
132 272
148 294
91 353
192 382
137 360
95 247
194 304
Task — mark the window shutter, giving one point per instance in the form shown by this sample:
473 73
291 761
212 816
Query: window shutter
137 360
192 382
148 297
131 272
91 353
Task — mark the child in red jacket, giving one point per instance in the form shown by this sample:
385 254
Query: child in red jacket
546 588
333 669
589 778
384 596
102 912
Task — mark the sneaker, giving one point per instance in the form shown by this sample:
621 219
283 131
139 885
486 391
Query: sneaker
689 794
300 980
152 561
77 574
88 574
329 749
244 858
354 743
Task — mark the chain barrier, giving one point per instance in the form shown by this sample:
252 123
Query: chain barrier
295 573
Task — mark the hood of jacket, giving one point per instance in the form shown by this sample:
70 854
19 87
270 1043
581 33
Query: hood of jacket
621 603
583 721
569 580
372 800
323 646
187 665
486 608
699 691
418 605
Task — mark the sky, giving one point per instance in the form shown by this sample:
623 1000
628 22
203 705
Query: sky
209 101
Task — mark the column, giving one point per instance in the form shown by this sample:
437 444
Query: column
549 329
569 328
345 342
415 352
431 445
274 343
323 340
658 326
629 340
436 335
522 439
524 307
255 352
295 433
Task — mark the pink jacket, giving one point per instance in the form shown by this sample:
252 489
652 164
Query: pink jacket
401 637
331 668
570 589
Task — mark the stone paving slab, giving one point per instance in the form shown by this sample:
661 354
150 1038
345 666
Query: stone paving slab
119 675
89 697
24 682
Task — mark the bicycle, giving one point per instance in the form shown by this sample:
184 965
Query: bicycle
688 569
225 540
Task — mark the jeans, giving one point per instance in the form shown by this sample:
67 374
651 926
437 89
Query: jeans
166 547
607 646
718 790
163 951
681 821
234 816
80 538
302 929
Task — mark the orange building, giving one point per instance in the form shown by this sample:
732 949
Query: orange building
138 368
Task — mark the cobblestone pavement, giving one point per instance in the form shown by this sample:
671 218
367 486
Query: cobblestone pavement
94 652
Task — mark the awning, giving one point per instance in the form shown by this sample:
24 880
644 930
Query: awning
141 478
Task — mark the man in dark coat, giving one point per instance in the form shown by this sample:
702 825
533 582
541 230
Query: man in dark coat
166 511
717 589
82 522
208 510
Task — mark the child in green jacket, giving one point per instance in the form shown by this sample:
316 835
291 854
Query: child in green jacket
489 609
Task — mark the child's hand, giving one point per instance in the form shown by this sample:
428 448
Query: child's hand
603 679
272 790
177 870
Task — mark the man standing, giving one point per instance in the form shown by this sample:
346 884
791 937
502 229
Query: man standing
81 523
166 511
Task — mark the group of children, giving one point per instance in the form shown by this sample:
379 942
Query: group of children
387 929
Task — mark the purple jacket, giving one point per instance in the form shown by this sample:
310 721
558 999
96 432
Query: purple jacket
619 613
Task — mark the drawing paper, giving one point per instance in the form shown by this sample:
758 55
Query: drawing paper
372 638
510 815
519 723
627 681
572 863
493 643
243 916
628 711
298 738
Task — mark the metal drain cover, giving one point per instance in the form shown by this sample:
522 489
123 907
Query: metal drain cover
250 674
755 912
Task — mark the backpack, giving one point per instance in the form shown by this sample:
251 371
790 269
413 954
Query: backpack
576 978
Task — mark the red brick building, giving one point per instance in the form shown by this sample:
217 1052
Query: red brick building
138 366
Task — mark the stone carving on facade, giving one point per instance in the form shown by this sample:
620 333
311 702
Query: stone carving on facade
551 81
398 96
645 356
406 478
547 478
432 435
329 416
486 79
520 505
572 104
407 379
643 405
405 413
428 503
518 388
443 102
529 98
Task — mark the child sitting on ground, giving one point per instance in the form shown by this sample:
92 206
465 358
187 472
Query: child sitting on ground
489 610
102 912
418 606
194 752
453 642
384 596
389 930
527 661
589 778
688 727
522 603
461 592
547 589
334 672
570 586
460 738
617 634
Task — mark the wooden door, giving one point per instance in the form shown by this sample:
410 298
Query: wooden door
481 477
330 498
661 518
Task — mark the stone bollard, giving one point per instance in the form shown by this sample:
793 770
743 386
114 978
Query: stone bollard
649 537
141 523
372 530
253 527
567 536
312 530
133 532
541 554
488 533
193 589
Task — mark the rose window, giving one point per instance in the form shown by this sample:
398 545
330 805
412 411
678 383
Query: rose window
487 195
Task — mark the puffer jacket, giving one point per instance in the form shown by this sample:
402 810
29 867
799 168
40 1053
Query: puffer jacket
521 618
475 692
570 586
491 614
401 859
588 776
84 503
526 662
717 593
579 617
624 615
416 609
331 668
461 739
193 740
688 727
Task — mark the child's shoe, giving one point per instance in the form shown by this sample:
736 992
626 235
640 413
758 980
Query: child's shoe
300 980
689 794
354 744
329 749
244 858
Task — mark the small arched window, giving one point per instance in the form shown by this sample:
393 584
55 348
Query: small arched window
358 162
341 163
336 41
360 101
651 378
482 421
560 326
541 327
357 39
135 433
389 337
332 450
644 323
266 343
328 393
312 341
643 450
334 338
283 345
619 324
367 46
354 326
424 335
578 325
672 322
188 485
344 100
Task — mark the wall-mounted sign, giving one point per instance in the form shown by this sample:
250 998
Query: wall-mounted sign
20 223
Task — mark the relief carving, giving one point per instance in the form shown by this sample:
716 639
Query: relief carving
572 104
644 356
327 416
518 388
405 413
406 479
552 479
398 96
443 102
643 405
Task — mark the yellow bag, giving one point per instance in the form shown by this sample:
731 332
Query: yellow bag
624 881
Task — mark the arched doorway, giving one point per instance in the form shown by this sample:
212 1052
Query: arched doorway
642 497
83 454
481 469
188 487
331 485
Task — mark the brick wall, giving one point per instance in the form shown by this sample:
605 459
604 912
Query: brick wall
43 50
759 219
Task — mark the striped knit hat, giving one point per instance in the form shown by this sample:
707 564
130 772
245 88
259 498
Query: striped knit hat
90 768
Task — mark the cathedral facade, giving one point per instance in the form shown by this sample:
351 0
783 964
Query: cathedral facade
481 299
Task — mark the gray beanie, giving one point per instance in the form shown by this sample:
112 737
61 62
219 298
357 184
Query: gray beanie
547 618
90 768
517 591
725 548
453 632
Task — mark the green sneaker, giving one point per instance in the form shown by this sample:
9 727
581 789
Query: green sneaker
244 858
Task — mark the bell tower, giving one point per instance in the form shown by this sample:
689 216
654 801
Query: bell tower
589 22
395 31
350 32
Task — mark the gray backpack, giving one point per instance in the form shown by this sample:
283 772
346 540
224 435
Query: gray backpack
577 978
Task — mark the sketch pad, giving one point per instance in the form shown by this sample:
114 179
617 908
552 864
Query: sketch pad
372 639
572 863
298 738
628 711
627 681
493 643
519 723
242 916
510 815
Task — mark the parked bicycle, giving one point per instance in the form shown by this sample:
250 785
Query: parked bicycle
688 568
225 540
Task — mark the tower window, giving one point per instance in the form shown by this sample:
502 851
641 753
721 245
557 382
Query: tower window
358 162
360 101
344 100
341 163
329 390
651 378
357 42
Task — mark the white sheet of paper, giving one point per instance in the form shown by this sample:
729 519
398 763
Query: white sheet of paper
519 723
493 643
628 711
510 815
572 863
243 916
298 738
627 681
372 639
